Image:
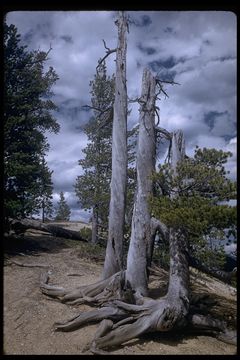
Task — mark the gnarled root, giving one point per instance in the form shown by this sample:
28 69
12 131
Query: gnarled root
156 315
124 318
94 316
153 315
95 294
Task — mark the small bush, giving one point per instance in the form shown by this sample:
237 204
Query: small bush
86 233
90 251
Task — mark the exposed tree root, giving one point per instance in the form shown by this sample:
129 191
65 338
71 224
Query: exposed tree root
123 317
96 294
160 316
94 316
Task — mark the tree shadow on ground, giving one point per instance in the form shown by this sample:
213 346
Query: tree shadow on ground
27 244
156 293
172 338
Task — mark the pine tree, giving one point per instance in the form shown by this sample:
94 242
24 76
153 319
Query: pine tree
63 210
200 210
92 188
126 307
27 115
45 189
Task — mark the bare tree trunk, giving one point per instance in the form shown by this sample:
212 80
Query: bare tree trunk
177 149
43 212
94 226
177 241
141 239
113 259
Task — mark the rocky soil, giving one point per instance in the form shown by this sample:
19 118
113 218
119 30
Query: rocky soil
29 315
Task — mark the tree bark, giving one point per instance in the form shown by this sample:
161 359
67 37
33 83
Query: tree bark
94 226
43 212
140 248
20 226
114 252
177 149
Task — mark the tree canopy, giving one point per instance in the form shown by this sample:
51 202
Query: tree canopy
63 210
92 188
199 210
27 116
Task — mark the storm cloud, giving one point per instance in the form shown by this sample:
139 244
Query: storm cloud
195 49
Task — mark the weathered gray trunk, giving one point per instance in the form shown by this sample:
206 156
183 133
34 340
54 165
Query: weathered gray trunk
141 239
94 226
179 270
113 259
178 288
177 149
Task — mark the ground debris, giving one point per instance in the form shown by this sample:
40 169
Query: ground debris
22 296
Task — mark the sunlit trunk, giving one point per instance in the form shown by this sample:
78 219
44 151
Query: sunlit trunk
141 238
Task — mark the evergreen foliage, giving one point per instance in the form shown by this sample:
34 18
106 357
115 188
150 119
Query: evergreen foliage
45 190
63 210
200 209
27 116
93 187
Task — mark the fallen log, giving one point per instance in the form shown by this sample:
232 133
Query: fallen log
27 265
21 225
225 276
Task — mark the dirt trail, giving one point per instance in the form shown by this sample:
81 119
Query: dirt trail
29 315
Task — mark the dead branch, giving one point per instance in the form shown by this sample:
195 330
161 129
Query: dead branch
18 263
74 274
42 58
164 132
97 109
107 48
157 225
158 82
108 52
167 82
158 117
137 99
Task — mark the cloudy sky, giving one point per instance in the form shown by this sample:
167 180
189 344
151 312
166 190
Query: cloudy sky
196 49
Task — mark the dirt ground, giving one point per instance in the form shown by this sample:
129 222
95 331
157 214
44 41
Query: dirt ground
29 315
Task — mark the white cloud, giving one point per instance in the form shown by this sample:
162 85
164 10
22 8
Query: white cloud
198 48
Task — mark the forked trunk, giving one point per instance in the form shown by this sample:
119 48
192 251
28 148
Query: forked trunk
113 259
141 239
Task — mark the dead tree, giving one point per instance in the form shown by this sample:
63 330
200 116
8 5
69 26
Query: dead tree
141 235
114 252
126 311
